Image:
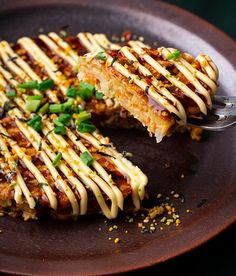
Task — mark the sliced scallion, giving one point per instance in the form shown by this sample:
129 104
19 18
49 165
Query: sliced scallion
174 55
44 109
61 130
82 116
65 119
36 123
57 122
56 161
34 97
68 106
99 95
86 158
45 85
86 90
55 108
28 85
86 127
101 55
11 93
32 105
72 92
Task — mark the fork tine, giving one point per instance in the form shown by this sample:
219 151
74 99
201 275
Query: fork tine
218 125
224 100
227 106
222 116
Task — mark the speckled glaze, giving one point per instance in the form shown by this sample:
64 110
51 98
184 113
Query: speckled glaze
49 246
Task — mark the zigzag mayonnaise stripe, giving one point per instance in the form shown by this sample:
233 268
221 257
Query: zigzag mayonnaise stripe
177 107
101 201
116 190
164 72
11 163
32 134
56 141
52 45
95 43
98 181
64 45
25 67
33 169
44 60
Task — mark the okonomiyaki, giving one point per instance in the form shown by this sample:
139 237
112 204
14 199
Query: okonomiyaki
54 161
159 87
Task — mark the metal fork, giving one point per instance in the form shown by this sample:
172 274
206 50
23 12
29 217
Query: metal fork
220 117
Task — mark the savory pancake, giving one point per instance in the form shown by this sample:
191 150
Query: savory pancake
159 87
53 158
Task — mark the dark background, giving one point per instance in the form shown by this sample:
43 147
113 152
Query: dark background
221 13
217 256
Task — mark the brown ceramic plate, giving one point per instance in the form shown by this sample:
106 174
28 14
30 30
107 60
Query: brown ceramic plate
49 246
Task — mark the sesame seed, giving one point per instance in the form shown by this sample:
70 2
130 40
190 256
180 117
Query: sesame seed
163 219
131 220
140 225
116 240
177 222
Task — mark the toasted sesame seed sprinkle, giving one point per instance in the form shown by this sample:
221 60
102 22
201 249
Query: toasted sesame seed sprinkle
116 240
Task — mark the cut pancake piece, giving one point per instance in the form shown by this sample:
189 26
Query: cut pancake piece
161 88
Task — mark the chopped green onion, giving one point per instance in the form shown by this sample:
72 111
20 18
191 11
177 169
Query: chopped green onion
44 109
55 108
99 95
36 123
101 55
86 90
65 119
82 116
68 106
86 158
86 127
45 85
32 105
56 161
174 55
38 126
34 97
57 122
61 130
28 85
35 119
72 92
11 93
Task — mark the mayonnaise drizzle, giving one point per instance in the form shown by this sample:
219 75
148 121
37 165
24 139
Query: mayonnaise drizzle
95 178
158 93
